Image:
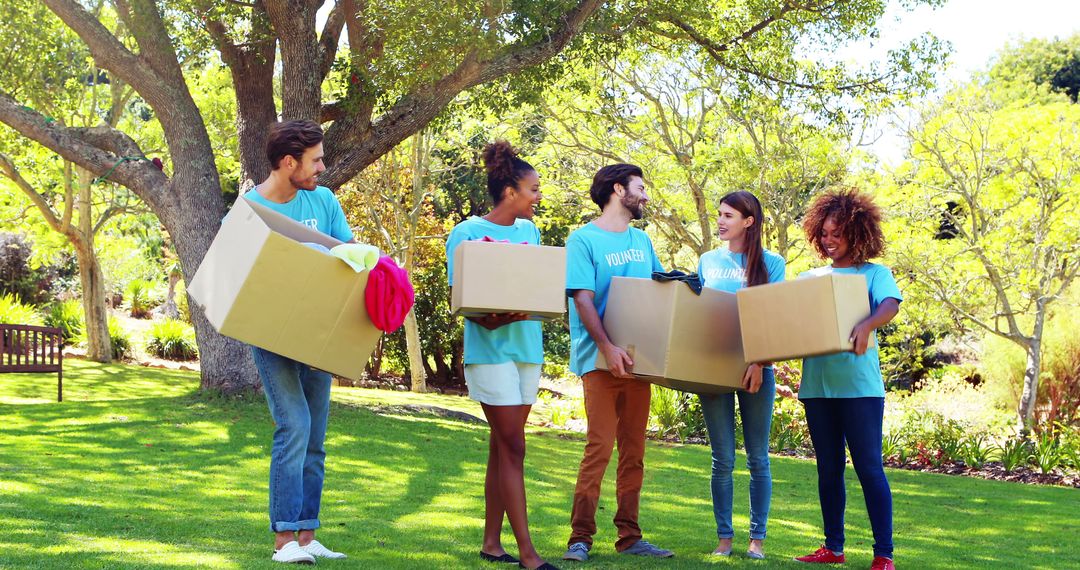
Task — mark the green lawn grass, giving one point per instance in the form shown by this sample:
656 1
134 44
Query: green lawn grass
136 469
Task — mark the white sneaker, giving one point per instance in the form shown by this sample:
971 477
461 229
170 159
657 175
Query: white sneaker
291 553
315 548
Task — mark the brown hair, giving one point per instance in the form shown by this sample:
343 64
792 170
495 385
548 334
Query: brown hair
857 215
605 179
291 138
504 168
750 207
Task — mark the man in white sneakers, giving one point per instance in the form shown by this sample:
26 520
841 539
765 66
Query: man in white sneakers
298 395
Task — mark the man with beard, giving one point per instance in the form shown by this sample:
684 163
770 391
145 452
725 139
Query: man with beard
616 406
298 395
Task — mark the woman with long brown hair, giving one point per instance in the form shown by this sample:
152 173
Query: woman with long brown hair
742 263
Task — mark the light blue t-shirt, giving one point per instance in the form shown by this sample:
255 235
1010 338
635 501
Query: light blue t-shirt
317 209
845 375
522 341
593 257
726 271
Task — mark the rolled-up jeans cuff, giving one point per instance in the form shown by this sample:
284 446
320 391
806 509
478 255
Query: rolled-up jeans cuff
282 526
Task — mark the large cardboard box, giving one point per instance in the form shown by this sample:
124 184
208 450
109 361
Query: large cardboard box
259 284
676 338
491 277
804 317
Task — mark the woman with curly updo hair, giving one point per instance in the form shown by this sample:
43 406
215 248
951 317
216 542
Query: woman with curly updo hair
843 393
504 354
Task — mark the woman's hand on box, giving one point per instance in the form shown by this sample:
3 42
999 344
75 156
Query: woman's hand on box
751 381
860 337
496 320
885 312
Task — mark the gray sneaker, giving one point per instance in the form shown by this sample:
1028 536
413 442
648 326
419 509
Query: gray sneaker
578 551
643 548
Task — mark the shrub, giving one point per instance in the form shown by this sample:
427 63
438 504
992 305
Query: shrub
676 413
947 393
1046 454
182 306
1003 365
172 339
976 451
68 317
14 312
1014 453
664 410
931 438
893 447
121 342
139 298
789 431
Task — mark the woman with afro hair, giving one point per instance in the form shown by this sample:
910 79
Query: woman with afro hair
844 394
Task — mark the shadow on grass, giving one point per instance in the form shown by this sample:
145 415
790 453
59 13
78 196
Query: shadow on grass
142 471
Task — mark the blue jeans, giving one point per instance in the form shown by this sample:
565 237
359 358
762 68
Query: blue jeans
299 400
832 421
756 412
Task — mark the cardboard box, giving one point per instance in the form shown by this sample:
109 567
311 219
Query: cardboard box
804 317
676 338
259 284
494 277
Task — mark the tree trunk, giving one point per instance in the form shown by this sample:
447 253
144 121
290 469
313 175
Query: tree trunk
374 365
294 24
170 310
225 364
253 81
457 363
99 345
95 312
1030 395
416 359
431 372
443 375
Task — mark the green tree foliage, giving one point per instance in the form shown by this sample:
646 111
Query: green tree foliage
992 229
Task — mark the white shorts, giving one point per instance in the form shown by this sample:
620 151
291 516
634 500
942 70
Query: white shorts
505 384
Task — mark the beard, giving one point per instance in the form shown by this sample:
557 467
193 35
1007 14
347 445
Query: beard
633 204
304 183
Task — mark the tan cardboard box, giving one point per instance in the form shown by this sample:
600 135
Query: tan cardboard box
676 338
259 284
804 317
508 278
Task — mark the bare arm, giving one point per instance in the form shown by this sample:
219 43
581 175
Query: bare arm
881 316
619 363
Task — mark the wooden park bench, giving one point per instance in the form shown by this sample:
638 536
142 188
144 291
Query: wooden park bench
26 348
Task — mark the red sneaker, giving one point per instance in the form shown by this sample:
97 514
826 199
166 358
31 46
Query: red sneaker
825 556
882 563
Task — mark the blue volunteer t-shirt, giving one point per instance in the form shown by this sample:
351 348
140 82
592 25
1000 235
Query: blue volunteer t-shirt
317 209
726 271
522 341
845 375
593 257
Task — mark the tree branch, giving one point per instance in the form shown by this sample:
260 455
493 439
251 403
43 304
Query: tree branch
328 40
155 47
107 50
416 110
7 167
714 48
141 176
